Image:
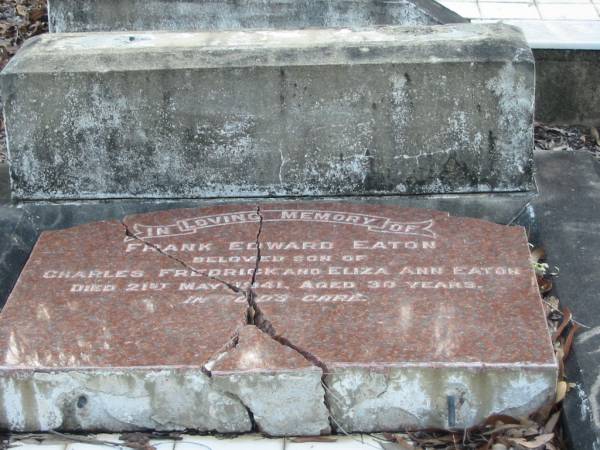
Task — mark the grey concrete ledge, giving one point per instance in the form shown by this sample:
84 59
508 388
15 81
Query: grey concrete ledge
390 110
143 51
567 86
215 15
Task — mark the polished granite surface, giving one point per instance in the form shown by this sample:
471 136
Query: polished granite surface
349 284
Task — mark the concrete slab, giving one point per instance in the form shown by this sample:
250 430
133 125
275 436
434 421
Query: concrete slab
445 109
564 221
567 90
215 15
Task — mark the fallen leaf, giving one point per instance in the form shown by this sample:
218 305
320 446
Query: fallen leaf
552 422
561 391
22 10
567 316
538 441
595 135
569 341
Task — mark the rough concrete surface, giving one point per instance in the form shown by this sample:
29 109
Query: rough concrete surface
281 388
365 400
567 88
563 220
116 400
270 113
214 15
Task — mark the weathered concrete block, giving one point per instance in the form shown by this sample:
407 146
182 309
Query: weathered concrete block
213 15
116 400
408 397
390 110
281 388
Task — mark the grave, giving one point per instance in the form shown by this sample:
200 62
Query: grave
291 318
216 15
386 110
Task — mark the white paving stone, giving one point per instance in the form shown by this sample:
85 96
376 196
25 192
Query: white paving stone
246 442
352 442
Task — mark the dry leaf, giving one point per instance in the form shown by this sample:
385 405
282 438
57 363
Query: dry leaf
595 135
569 341
561 391
534 443
22 10
567 316
400 440
552 422
544 284
36 15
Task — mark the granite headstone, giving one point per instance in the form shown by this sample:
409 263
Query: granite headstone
289 318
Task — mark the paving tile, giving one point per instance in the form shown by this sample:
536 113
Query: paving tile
159 444
551 11
564 2
353 442
246 442
560 34
468 10
82 446
499 10
36 445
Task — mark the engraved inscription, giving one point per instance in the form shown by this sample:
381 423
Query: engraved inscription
372 223
377 257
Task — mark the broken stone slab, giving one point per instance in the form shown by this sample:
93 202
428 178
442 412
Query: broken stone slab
101 333
419 320
215 15
275 317
391 110
114 399
281 387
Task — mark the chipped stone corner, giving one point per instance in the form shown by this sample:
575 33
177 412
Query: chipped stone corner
389 399
281 390
117 400
283 403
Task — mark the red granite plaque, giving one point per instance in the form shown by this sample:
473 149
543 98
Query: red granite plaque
290 318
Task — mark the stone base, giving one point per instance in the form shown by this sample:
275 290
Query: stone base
413 398
114 400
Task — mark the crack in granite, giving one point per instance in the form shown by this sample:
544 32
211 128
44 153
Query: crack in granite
257 318
185 265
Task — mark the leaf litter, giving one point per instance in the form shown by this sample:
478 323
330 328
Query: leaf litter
569 138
